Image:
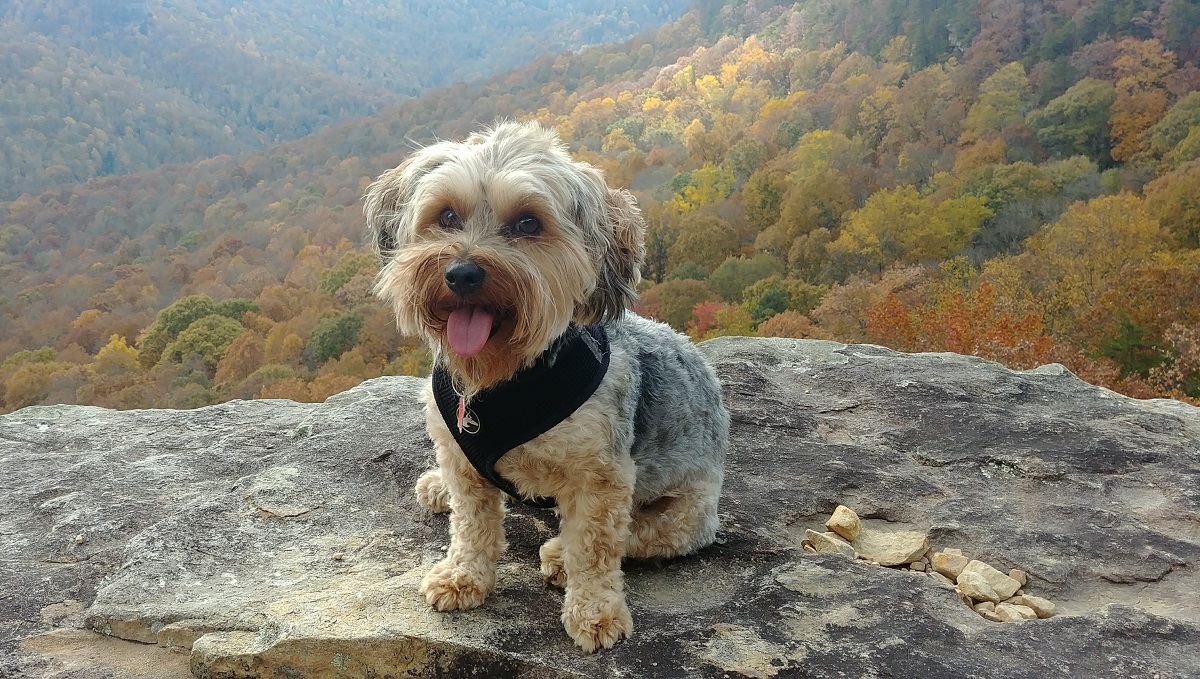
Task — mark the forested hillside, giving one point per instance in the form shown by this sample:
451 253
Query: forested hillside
91 89
1015 180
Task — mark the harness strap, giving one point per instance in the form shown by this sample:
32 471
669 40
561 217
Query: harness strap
533 402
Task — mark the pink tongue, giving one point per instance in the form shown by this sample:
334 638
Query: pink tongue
468 330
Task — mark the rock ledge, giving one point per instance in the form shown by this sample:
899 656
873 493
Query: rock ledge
277 539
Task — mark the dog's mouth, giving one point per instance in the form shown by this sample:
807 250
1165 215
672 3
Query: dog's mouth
468 328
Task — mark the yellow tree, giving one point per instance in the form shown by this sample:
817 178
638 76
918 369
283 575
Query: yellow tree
814 200
1142 68
901 226
1001 103
710 184
244 356
703 241
1093 247
115 357
1174 199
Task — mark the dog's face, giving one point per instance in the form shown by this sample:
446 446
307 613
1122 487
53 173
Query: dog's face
493 245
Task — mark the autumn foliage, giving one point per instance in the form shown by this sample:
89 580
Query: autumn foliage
1013 180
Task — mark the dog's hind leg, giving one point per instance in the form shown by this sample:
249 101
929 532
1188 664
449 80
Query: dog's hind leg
675 524
672 525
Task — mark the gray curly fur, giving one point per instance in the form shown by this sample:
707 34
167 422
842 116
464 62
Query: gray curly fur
671 419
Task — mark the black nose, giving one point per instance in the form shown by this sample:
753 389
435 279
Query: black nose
464 277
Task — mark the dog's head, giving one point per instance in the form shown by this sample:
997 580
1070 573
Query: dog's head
493 245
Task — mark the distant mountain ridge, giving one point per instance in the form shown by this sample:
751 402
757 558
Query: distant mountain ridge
91 89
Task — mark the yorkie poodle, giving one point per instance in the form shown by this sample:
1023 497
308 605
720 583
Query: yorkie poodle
518 266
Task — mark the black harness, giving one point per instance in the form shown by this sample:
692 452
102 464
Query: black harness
530 404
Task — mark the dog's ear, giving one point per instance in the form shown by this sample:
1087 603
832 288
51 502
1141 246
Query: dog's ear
386 199
622 239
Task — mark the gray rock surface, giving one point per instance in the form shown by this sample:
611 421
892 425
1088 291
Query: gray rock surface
278 539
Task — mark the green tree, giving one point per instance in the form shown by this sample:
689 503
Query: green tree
169 323
773 300
236 308
1132 349
1076 122
1185 151
351 264
1175 126
736 273
334 335
797 295
207 338
1001 185
746 157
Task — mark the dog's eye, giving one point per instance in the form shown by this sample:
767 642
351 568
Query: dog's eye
527 225
449 219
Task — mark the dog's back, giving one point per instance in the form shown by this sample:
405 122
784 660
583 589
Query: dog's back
680 426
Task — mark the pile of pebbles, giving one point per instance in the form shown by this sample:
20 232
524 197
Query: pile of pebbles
987 590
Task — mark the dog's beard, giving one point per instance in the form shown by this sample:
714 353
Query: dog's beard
528 298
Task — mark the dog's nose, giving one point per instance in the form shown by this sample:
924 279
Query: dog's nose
464 277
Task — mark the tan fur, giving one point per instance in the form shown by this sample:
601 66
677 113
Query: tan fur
583 267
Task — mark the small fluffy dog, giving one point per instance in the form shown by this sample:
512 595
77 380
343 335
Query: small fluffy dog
517 265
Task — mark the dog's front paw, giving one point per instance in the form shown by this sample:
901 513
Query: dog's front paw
597 620
449 587
552 563
432 493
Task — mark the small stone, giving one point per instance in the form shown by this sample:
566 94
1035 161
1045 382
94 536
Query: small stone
949 565
991 615
976 586
965 598
985 607
808 547
1044 608
1020 592
925 560
338 556
891 549
1019 575
844 522
829 542
1001 583
942 579
79 539
1012 613
917 565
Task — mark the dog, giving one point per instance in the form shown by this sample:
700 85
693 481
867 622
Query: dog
518 266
